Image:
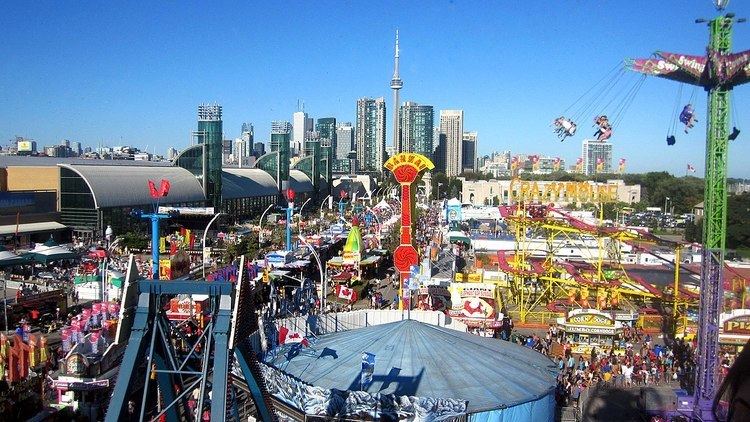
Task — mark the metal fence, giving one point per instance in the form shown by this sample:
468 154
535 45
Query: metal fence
316 325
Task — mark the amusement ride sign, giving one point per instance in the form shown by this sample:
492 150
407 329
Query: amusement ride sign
569 191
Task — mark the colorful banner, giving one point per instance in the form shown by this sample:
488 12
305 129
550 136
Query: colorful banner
472 300
165 269
434 298
368 368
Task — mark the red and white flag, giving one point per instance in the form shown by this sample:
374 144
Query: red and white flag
690 168
346 293
288 336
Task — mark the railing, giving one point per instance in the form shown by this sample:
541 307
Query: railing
315 325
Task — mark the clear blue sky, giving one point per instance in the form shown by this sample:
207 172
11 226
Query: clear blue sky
133 73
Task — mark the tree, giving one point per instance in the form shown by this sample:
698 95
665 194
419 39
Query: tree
694 231
738 221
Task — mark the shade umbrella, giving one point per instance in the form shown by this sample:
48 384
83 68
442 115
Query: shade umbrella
9 259
457 236
44 254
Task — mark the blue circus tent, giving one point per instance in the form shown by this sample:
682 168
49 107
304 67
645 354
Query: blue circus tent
500 380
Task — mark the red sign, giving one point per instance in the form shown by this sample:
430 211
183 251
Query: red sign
290 194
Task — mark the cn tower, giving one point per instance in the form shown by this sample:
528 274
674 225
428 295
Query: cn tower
396 84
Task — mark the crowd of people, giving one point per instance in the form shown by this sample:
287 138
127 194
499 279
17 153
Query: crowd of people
641 362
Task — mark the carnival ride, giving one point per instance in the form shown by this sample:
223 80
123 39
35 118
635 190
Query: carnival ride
601 281
718 72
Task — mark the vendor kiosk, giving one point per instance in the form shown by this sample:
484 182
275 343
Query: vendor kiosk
586 329
735 331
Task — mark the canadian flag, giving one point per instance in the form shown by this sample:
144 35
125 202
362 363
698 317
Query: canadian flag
690 168
288 336
346 293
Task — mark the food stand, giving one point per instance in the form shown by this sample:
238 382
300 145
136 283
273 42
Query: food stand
589 328
735 331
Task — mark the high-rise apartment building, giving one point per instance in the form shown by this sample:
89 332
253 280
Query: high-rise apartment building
452 126
344 141
171 153
469 152
417 125
370 134
210 132
596 152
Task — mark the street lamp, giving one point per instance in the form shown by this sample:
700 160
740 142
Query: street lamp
380 226
203 243
299 223
323 281
438 191
260 226
666 199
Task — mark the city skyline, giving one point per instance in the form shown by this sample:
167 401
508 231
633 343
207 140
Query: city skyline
513 78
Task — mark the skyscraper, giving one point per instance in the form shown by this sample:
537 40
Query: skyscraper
344 141
210 132
452 126
171 153
281 126
370 134
595 152
438 152
248 136
259 149
326 128
396 85
280 139
301 125
469 152
417 123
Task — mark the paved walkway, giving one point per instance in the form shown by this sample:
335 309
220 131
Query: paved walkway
625 404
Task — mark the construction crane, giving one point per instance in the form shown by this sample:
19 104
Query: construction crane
717 72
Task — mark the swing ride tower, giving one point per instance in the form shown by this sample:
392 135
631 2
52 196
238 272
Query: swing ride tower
717 72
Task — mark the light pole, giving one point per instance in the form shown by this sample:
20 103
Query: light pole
203 243
299 223
320 211
323 281
666 199
380 226
260 226
438 191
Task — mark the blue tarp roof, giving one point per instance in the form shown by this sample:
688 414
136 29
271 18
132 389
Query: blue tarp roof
423 360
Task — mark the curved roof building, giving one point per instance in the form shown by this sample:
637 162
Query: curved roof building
126 186
241 183
499 380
